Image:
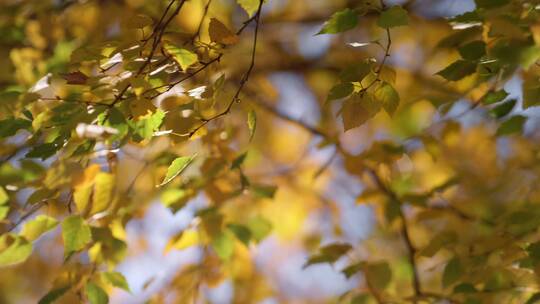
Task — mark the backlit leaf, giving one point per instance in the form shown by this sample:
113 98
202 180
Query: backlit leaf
13 250
33 229
183 57
75 233
340 22
176 168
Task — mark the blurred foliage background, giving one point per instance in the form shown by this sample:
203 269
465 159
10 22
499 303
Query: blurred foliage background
306 151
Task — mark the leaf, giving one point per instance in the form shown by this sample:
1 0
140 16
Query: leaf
33 229
264 191
353 269
329 254
452 272
43 151
103 192
458 70
54 295
355 72
494 97
95 294
250 6
75 233
340 22
183 57
223 244
241 232
340 90
13 250
176 168
512 125
4 197
357 110
237 162
149 124
10 126
388 96
379 275
186 239
259 227
503 109
252 123
473 50
115 279
393 17
220 33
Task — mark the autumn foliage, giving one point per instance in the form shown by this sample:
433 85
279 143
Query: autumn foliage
250 151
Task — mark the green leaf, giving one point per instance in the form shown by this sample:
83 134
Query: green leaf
252 123
116 279
237 162
393 17
379 275
4 211
13 250
360 299
388 96
259 227
95 294
452 272
473 50
513 125
183 57
4 197
43 151
9 127
353 269
340 22
250 6
464 288
33 229
54 295
75 233
494 97
264 191
503 109
149 124
223 244
329 254
177 166
241 232
340 90
458 70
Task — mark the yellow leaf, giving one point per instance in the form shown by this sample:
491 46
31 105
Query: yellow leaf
103 192
185 239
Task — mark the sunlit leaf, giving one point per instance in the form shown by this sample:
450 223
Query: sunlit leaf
116 279
176 168
252 123
183 57
340 22
13 250
33 229
75 233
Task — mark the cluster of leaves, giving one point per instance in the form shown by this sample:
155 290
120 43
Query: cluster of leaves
103 113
